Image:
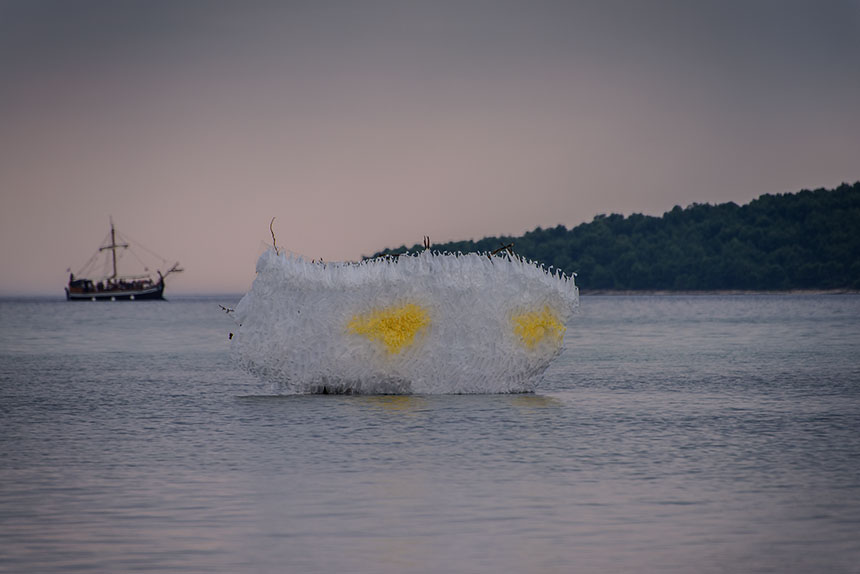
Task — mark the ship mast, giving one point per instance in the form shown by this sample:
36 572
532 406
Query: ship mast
113 247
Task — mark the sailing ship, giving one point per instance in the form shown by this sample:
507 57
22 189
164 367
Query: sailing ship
113 286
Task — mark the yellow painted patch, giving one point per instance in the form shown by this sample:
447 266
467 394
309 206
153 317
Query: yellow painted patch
534 326
395 327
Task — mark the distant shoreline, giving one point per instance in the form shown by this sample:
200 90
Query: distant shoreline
661 292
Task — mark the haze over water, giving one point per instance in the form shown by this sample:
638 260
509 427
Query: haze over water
674 434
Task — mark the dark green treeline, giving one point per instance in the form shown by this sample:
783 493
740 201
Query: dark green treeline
805 240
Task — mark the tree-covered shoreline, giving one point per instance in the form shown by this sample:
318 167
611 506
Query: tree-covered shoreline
809 240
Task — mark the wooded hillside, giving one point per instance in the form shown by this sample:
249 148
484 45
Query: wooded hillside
805 240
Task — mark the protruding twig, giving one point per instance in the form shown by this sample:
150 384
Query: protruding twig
274 243
426 242
508 248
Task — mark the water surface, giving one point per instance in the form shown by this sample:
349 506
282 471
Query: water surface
675 434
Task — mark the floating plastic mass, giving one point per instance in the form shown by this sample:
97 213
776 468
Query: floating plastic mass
424 323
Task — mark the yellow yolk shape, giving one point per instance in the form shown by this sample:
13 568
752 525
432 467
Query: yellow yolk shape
395 327
534 326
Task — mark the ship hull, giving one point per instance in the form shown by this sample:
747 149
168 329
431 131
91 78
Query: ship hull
152 293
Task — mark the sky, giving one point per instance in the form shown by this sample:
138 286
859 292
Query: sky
366 124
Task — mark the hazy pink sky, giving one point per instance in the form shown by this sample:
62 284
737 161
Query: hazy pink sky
366 124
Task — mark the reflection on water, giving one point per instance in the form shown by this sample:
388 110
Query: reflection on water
535 401
395 403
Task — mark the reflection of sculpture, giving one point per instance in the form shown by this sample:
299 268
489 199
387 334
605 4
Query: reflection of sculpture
428 323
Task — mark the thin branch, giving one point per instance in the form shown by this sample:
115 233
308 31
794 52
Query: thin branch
508 248
274 243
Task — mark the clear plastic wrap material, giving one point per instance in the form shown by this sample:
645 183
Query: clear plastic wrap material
425 323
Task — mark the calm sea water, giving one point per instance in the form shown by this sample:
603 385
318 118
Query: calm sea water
675 434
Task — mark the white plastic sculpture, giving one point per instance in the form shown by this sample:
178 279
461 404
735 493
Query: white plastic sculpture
425 323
